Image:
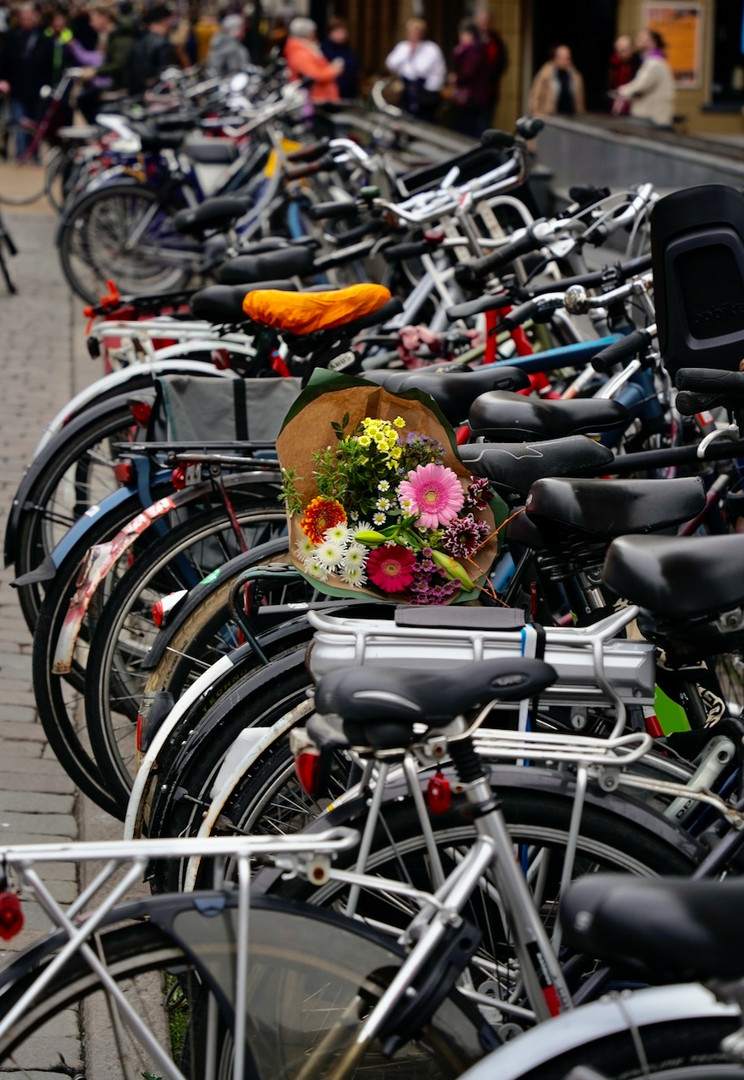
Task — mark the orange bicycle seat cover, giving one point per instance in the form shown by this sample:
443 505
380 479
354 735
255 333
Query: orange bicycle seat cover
303 313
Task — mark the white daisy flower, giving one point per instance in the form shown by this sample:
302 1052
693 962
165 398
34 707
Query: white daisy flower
315 568
378 519
339 534
363 526
384 485
353 575
304 547
356 555
384 504
406 505
329 554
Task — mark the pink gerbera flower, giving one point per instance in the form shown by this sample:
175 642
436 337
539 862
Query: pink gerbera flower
435 493
390 567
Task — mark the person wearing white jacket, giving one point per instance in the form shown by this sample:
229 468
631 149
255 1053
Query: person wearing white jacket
652 92
421 65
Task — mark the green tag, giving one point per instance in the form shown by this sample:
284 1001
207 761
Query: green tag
670 715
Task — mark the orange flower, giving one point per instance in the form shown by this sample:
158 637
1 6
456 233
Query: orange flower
322 514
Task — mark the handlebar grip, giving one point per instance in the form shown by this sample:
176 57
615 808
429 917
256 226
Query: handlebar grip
471 273
399 252
335 210
296 172
688 403
309 153
519 315
477 307
624 349
528 127
711 381
497 139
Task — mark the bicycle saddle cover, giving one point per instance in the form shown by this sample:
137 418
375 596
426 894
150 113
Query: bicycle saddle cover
311 312
380 706
513 468
453 391
609 508
283 263
505 417
680 929
680 576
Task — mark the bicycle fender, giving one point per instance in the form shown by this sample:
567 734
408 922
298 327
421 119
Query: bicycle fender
149 763
102 557
598 1020
39 463
246 750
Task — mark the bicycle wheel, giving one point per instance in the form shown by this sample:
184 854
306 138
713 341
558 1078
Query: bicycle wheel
123 233
78 473
29 184
674 1050
114 677
59 698
310 980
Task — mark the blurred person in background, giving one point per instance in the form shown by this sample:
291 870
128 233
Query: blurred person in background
498 56
227 53
152 52
421 65
335 46
652 92
26 64
471 82
624 64
558 88
305 60
115 40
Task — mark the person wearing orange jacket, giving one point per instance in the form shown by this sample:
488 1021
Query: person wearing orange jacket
305 60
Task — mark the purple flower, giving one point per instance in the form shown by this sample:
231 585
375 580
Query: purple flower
463 536
478 494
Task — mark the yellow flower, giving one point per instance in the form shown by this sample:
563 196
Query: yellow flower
396 452
399 422
365 441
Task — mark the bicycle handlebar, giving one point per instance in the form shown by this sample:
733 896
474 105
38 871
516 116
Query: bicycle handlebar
297 172
333 210
472 273
623 350
711 381
309 153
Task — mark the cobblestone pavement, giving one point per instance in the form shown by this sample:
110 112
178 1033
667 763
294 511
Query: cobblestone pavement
43 362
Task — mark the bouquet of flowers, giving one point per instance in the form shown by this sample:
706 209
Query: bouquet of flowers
377 500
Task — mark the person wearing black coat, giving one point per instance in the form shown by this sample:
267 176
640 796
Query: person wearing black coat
26 64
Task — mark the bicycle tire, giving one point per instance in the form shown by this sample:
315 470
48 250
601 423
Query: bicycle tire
309 977
114 683
58 698
68 485
32 191
95 233
675 1050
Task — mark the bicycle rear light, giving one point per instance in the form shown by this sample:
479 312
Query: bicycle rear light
162 608
308 762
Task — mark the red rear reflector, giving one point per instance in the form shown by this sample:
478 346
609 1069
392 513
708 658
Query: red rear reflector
178 478
140 726
141 412
124 472
307 766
